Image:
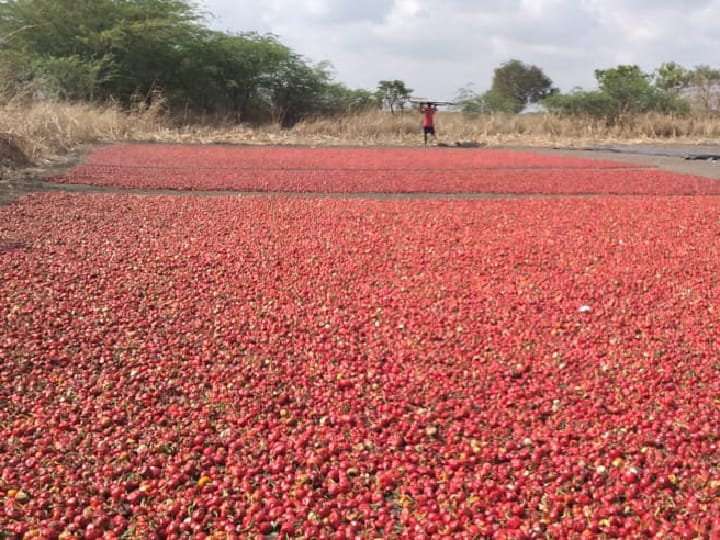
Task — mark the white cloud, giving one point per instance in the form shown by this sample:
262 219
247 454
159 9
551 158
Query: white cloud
437 46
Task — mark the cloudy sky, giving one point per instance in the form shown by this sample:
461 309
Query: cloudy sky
440 46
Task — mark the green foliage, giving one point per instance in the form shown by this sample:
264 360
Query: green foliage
393 94
705 82
14 72
142 40
672 77
630 91
487 103
468 101
497 101
72 77
622 90
628 88
130 50
127 50
491 101
338 99
515 85
296 88
699 85
230 74
579 102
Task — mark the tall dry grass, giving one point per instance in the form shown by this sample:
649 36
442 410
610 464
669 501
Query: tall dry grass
526 129
46 128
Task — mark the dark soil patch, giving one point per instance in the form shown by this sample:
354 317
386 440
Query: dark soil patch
673 158
12 153
16 181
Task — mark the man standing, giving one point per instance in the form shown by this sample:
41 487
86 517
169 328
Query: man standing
429 110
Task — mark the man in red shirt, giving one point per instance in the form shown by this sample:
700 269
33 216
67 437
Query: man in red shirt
429 110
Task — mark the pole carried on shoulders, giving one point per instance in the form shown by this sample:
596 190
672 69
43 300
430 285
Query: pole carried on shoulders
430 102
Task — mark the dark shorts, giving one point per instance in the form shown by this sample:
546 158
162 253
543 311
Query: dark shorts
429 130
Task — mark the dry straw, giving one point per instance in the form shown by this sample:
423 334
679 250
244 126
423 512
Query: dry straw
43 129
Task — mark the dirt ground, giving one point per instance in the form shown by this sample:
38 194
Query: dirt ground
17 182
655 156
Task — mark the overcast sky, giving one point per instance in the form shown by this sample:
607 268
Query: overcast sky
440 46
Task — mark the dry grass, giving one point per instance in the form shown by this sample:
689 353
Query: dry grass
528 129
47 129
43 130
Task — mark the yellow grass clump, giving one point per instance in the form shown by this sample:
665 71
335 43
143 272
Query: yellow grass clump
45 129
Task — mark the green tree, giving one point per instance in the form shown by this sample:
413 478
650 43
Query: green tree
130 50
497 101
142 40
393 94
339 99
672 77
516 84
580 102
628 87
230 74
296 89
72 77
622 91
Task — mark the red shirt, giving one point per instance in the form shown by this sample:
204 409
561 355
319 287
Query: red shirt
429 113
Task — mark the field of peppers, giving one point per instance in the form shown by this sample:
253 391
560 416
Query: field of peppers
373 170
245 366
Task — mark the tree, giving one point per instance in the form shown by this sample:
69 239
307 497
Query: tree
672 77
130 50
297 89
628 87
580 102
393 94
623 90
72 77
231 73
338 99
143 41
700 86
515 85
469 101
705 83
